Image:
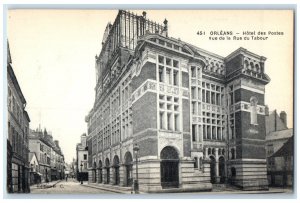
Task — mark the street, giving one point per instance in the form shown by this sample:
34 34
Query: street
68 187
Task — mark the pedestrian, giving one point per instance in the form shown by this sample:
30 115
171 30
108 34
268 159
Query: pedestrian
66 178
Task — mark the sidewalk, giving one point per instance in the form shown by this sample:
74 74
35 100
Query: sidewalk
110 188
44 185
128 190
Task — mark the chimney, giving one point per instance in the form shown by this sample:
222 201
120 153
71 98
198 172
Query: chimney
267 110
283 117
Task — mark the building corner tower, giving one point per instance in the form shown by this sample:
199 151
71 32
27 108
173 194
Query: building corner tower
246 82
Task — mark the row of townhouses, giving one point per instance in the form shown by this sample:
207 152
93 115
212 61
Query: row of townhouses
50 164
32 156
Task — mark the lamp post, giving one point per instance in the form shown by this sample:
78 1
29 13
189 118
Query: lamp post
81 173
136 181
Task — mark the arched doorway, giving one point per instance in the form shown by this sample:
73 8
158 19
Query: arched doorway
116 170
212 169
222 169
94 172
169 167
107 171
128 169
100 172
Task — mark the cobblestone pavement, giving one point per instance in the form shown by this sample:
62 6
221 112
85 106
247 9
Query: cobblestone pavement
68 187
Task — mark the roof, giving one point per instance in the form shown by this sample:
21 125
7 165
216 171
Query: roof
31 155
282 134
286 150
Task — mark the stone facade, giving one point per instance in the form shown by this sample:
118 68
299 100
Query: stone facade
17 136
197 117
49 155
82 159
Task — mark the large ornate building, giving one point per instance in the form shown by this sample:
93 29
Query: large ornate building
17 136
197 117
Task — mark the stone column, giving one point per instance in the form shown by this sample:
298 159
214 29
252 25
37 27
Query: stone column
217 166
112 175
122 175
104 171
206 152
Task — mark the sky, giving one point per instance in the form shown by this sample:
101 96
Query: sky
53 56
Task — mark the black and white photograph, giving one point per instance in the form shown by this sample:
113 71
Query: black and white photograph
133 103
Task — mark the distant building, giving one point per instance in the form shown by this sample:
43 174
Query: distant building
35 175
18 130
82 159
197 117
279 149
49 155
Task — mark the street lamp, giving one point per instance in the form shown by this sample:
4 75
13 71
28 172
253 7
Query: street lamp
81 173
136 181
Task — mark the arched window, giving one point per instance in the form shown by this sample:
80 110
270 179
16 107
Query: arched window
253 113
251 66
257 68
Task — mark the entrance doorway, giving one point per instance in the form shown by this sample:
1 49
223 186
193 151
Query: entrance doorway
212 169
128 169
169 165
222 169
116 170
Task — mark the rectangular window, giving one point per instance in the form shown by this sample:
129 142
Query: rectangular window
193 133
177 122
207 96
169 119
231 98
84 157
161 59
161 74
213 132
194 106
208 132
161 120
168 76
175 64
193 71
193 93
168 61
218 98
213 100
175 77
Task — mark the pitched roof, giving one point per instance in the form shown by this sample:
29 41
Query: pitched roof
280 134
286 150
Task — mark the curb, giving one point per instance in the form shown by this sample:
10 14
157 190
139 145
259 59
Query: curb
106 189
